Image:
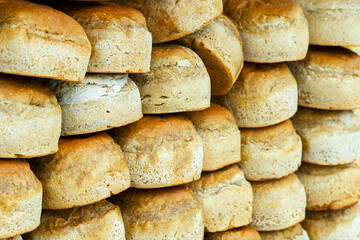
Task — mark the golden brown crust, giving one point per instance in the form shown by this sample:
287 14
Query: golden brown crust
13 166
170 126
256 10
172 19
17 179
243 233
93 165
147 199
318 170
25 90
60 219
171 54
223 61
215 115
36 18
20 198
264 134
107 12
275 185
256 80
333 57
167 213
78 144
330 187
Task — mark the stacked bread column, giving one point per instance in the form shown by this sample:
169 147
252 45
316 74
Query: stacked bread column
169 149
328 80
30 114
85 169
262 100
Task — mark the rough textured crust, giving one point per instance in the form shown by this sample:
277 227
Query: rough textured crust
278 204
101 220
169 20
166 214
178 81
330 187
20 198
98 103
270 153
263 95
244 233
220 135
85 170
220 47
271 30
292 233
120 40
161 151
328 137
328 78
226 198
332 22
30 45
334 225
30 118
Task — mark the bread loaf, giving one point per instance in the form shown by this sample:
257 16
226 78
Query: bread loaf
120 40
36 40
20 198
271 30
172 19
85 170
220 135
30 118
161 151
226 198
220 47
178 81
161 214
263 95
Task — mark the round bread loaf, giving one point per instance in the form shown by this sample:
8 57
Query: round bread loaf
120 40
20 198
85 170
328 78
220 135
263 95
101 102
161 214
271 152
330 187
271 30
334 225
226 198
30 118
292 233
161 151
220 47
278 204
332 22
244 233
172 19
36 40
328 137
101 220
178 81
